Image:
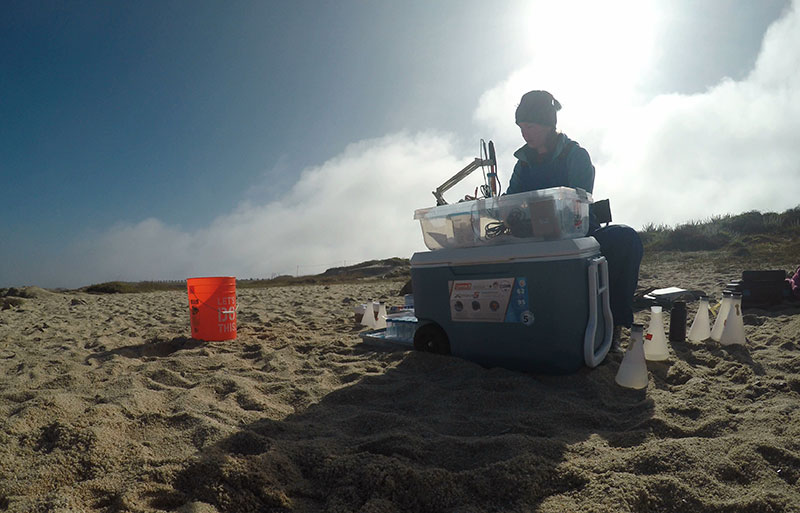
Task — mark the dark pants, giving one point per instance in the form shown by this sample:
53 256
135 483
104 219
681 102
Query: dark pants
623 250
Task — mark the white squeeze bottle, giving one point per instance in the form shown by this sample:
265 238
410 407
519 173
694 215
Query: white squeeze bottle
655 343
632 371
719 322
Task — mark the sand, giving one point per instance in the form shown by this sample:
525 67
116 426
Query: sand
108 406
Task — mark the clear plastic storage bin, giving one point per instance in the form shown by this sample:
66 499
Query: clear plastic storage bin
401 328
547 214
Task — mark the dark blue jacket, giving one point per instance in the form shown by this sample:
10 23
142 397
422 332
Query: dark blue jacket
568 165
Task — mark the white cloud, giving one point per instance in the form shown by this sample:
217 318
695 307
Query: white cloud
729 150
356 206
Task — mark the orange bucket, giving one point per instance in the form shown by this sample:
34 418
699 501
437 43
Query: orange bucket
212 307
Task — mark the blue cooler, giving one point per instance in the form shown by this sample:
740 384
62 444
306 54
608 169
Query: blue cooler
534 306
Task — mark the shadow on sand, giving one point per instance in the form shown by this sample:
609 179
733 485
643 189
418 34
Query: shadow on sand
431 434
154 348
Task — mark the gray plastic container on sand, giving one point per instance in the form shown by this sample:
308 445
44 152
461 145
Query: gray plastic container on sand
536 307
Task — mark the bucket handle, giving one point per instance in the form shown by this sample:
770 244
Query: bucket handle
598 286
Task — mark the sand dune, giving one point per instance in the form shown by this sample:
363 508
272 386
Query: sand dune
108 406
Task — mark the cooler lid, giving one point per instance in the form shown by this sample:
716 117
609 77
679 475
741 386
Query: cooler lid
565 249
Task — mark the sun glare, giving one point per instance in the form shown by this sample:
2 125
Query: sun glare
599 48
607 38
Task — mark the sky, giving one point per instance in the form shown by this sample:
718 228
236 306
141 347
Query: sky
160 140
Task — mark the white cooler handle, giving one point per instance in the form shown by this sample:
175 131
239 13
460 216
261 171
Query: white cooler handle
598 287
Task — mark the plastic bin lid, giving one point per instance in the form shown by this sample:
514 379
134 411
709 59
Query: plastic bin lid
565 249
466 207
462 207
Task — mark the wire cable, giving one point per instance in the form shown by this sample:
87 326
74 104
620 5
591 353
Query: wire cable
496 229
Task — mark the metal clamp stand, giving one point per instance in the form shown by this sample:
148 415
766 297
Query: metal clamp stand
472 166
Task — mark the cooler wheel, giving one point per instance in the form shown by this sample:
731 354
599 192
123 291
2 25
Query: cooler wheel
432 339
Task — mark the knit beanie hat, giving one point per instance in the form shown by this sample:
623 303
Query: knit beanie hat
538 107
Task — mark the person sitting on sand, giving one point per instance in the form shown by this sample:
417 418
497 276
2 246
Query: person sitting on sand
551 159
